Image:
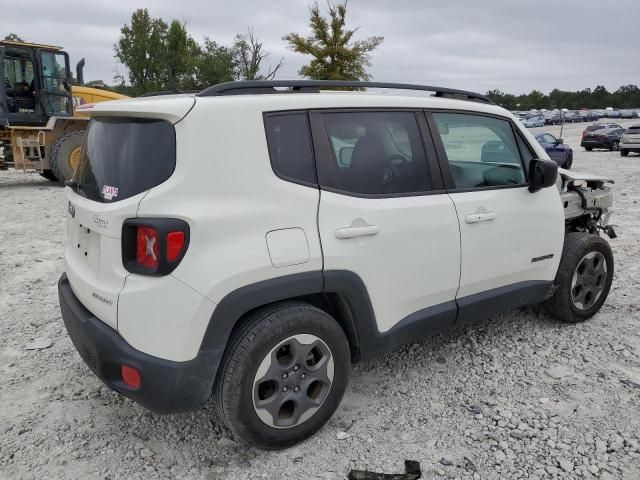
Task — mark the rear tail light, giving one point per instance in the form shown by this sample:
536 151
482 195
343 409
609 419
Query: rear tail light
154 246
147 247
175 242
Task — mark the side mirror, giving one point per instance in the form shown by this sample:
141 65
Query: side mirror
559 141
542 174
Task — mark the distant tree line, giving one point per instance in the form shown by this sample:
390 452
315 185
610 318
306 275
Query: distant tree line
627 96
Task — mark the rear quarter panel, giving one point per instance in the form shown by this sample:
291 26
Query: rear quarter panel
225 188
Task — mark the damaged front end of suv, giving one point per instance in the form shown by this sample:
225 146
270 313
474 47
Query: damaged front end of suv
587 202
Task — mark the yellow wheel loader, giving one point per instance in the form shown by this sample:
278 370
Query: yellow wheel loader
40 129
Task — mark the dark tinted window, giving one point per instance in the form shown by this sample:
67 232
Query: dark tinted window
122 157
290 148
482 151
375 153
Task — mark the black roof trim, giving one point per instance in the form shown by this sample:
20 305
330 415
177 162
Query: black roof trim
260 87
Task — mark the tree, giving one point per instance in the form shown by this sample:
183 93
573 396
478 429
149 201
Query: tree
179 58
248 56
215 64
335 55
141 49
13 37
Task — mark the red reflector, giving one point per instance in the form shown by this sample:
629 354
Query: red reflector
175 242
147 247
130 376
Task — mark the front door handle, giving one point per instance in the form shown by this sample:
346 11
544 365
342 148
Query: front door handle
352 232
480 217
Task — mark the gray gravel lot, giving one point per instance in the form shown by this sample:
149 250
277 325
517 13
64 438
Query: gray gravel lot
515 396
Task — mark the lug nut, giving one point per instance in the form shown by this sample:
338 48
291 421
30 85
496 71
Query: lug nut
297 389
284 389
302 375
295 368
284 375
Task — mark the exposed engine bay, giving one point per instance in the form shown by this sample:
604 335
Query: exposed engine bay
587 202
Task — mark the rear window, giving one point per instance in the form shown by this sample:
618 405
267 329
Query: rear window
122 157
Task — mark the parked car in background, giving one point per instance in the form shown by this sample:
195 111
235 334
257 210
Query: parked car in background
553 119
589 115
572 117
557 150
599 126
534 121
614 114
608 138
629 114
630 140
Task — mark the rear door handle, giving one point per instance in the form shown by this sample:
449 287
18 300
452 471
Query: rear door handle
480 217
352 232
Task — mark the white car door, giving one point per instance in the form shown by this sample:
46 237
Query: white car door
511 238
384 216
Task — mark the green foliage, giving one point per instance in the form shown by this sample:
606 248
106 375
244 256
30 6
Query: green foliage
161 57
141 49
181 54
627 96
335 55
215 64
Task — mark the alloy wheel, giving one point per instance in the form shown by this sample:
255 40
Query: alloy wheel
293 381
589 280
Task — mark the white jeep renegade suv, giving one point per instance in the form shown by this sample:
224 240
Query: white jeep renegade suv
249 242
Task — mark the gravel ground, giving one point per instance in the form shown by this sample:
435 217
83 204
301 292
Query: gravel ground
515 396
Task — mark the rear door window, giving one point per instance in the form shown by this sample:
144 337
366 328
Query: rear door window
374 153
122 157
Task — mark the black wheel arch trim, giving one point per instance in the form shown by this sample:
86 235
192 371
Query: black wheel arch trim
356 312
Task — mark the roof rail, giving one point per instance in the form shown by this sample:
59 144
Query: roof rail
160 93
259 87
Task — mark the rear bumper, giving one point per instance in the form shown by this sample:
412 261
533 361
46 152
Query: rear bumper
631 146
595 144
166 386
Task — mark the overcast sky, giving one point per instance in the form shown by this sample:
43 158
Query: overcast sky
513 45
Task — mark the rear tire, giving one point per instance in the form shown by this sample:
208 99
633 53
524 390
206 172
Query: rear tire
266 391
614 146
588 149
65 155
584 278
624 153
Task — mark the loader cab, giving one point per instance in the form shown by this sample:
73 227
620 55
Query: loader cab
35 83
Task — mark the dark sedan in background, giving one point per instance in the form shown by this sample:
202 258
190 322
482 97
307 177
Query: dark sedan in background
556 149
608 138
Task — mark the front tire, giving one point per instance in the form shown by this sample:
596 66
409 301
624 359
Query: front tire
624 153
588 149
283 375
569 161
614 146
584 278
